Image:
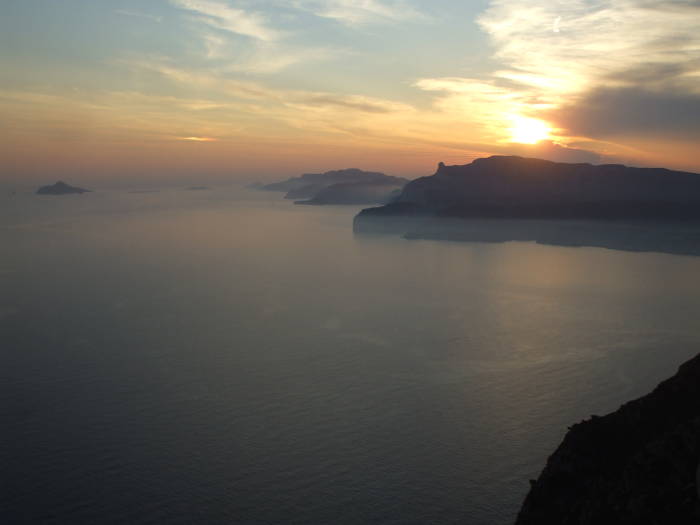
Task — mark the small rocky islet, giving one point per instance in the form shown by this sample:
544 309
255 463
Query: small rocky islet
60 188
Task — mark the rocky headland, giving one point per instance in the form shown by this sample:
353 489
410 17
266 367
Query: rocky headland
499 199
517 187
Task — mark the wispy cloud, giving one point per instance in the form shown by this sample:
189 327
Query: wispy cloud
267 49
254 91
355 103
268 58
138 14
234 20
240 89
198 139
567 46
355 12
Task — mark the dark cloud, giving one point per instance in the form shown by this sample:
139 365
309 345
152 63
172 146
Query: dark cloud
654 75
631 111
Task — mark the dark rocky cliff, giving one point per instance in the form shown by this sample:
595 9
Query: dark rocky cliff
638 465
516 187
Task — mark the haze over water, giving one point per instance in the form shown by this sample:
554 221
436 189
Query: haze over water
227 357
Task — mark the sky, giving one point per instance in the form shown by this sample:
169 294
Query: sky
97 91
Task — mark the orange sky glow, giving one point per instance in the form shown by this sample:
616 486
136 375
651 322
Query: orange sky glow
217 89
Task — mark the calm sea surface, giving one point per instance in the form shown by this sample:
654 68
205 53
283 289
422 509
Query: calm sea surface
227 357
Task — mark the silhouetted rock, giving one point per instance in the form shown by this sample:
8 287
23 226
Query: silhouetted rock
60 188
361 187
516 187
638 465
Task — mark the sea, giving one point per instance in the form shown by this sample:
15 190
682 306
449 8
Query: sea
223 356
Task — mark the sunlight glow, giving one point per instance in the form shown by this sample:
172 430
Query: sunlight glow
198 139
528 130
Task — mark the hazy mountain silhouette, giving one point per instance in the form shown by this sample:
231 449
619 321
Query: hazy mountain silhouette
347 186
60 188
381 192
635 466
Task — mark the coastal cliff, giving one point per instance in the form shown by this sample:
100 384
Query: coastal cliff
517 187
501 199
638 465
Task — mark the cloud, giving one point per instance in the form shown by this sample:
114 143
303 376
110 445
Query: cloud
468 86
609 69
267 58
215 46
353 102
137 14
266 50
550 150
545 149
198 139
265 112
356 12
203 80
258 92
595 41
234 20
612 113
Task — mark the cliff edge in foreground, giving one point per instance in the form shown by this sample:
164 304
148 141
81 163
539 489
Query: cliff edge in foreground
638 465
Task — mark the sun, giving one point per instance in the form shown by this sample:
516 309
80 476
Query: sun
528 130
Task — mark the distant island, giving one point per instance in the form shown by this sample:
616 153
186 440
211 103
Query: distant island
347 186
60 188
638 465
500 199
